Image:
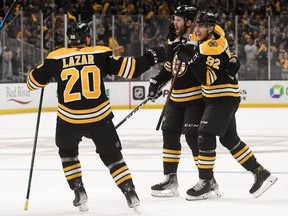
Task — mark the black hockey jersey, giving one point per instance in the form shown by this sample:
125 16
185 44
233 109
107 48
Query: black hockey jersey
79 73
186 90
209 70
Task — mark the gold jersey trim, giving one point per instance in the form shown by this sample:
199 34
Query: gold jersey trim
68 52
32 84
184 95
222 90
84 116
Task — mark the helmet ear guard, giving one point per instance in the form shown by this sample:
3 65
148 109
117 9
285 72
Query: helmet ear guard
77 33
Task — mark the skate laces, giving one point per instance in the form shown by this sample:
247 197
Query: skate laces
257 172
200 185
165 180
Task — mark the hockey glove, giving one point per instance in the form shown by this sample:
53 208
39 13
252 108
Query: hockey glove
233 66
155 88
155 55
172 33
187 54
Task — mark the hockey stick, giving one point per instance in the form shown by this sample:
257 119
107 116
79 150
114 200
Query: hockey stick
34 150
132 112
168 96
7 15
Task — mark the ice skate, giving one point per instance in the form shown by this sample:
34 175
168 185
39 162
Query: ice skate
167 188
131 197
81 198
200 191
263 180
214 192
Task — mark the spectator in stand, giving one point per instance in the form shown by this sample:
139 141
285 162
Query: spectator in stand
262 58
251 51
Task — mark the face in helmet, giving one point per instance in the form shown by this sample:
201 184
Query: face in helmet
205 24
183 18
78 33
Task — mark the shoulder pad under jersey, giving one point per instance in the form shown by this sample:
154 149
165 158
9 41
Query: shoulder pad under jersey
213 46
64 52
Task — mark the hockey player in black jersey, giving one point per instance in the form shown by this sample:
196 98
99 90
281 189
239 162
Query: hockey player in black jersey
184 108
222 97
83 107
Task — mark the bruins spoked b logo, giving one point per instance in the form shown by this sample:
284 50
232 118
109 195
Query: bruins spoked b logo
175 66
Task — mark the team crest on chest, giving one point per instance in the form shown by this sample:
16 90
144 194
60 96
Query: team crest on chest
212 43
176 66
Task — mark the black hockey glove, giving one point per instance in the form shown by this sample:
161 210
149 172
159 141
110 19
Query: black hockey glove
155 88
233 66
155 55
172 33
187 54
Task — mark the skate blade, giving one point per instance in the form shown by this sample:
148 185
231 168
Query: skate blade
83 207
214 194
165 193
194 198
137 209
265 186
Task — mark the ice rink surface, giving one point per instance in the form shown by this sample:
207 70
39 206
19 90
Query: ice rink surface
265 130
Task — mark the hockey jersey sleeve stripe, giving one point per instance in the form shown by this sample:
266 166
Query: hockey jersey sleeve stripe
122 68
210 76
167 66
31 83
129 70
132 69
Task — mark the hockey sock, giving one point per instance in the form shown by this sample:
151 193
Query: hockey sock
120 173
244 156
206 162
72 170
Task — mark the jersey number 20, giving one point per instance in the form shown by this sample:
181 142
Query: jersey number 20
87 73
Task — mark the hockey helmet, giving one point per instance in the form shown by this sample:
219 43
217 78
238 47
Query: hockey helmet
187 12
207 18
77 32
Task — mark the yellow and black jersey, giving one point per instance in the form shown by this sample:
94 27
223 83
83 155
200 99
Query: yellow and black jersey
186 90
209 70
79 73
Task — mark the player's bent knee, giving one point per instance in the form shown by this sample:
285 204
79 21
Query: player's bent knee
206 141
229 140
110 159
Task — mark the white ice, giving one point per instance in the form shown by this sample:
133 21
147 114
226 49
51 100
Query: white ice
265 130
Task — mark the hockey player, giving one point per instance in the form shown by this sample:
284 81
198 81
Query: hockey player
222 97
184 108
83 107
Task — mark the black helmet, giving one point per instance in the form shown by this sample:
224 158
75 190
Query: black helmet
207 18
77 32
187 12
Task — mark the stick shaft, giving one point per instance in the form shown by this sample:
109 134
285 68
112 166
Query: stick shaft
7 15
34 150
168 96
132 112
